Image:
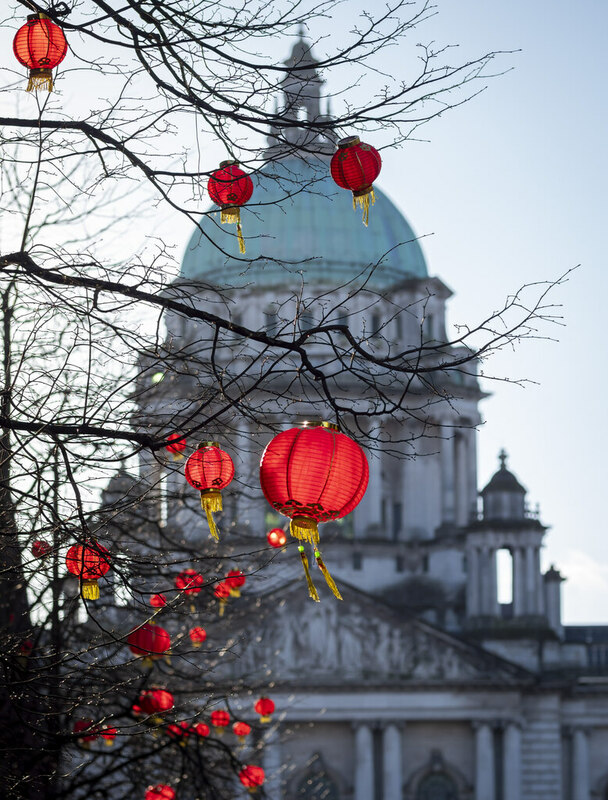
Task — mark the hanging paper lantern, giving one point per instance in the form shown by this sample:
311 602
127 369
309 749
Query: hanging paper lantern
220 721
265 708
202 730
197 636
313 474
189 581
41 549
40 45
276 537
87 732
231 188
155 701
242 731
222 592
356 166
150 641
160 792
179 732
235 580
26 647
209 469
108 735
90 563
251 777
176 445
158 601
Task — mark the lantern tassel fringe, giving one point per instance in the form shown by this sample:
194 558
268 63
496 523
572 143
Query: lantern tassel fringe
311 587
222 606
305 529
177 456
89 590
232 215
40 79
212 501
330 581
364 201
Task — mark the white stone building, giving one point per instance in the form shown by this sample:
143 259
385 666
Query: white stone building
420 685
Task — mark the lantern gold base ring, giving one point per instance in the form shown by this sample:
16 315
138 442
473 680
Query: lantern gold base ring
305 529
89 590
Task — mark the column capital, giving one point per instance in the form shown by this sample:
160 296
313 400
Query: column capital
477 724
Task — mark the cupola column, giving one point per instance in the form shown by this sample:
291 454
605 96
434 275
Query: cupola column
447 474
473 598
532 580
462 480
519 593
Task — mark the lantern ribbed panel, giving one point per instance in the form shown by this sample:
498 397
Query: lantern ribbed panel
89 562
356 167
149 640
230 186
315 472
40 44
209 468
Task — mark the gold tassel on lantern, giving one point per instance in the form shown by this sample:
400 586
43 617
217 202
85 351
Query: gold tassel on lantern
330 581
311 587
232 215
89 590
364 199
304 528
211 500
40 79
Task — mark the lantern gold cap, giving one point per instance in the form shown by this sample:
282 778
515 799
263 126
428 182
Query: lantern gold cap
228 163
319 423
208 444
349 141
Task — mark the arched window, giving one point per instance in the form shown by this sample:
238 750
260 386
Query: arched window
317 785
437 786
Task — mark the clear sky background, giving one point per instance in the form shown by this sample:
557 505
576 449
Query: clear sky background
512 186
506 190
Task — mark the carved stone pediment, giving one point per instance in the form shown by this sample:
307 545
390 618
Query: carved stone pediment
357 640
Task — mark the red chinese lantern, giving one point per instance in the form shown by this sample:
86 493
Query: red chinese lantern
197 636
160 792
26 647
41 549
158 601
276 537
231 188
176 445
251 777
265 708
90 563
189 581
356 166
235 580
209 469
313 474
222 592
220 721
201 730
87 732
108 735
155 701
150 641
179 732
40 45
242 731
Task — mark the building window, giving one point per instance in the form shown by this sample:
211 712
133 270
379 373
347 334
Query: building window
357 561
438 786
397 519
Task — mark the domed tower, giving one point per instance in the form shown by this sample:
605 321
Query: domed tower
506 523
310 260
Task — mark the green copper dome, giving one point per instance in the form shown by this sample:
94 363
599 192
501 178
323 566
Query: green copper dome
299 223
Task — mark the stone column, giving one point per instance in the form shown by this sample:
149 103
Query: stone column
530 607
485 580
511 759
364 762
485 781
447 474
272 764
242 444
518 582
392 767
368 515
462 490
473 600
580 765
491 567
540 599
